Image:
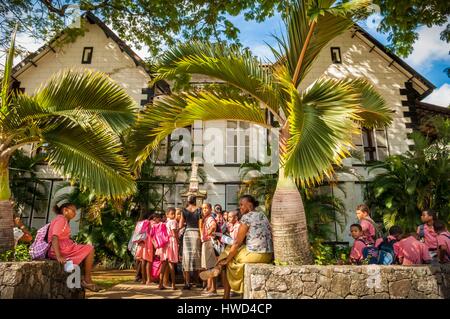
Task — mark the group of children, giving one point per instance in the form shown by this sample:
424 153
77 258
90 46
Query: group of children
430 243
156 243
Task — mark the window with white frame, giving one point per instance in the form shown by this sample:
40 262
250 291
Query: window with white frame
237 142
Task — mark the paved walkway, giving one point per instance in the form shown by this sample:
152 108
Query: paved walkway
132 290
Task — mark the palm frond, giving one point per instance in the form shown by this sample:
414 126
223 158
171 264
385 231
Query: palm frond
232 65
301 16
87 95
322 121
7 75
374 111
93 157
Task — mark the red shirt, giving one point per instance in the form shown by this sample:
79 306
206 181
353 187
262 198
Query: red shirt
368 229
430 237
356 254
413 252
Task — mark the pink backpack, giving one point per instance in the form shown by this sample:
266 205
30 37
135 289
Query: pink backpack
156 268
160 235
40 246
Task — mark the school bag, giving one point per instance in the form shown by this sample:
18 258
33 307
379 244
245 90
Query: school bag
140 233
422 232
370 253
386 253
39 248
160 235
156 268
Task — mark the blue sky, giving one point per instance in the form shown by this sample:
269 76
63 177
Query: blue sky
430 56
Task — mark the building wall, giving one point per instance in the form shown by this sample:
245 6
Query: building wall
107 57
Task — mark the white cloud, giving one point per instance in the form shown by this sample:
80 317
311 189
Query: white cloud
440 96
429 48
262 51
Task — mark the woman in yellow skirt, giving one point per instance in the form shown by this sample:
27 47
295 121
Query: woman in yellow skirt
253 244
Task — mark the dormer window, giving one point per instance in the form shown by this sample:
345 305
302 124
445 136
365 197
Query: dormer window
336 55
87 55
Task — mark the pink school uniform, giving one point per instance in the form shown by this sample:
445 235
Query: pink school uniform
368 229
443 239
170 252
145 250
413 252
430 236
356 254
69 249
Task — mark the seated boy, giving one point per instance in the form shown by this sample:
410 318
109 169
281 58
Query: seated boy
412 251
443 240
356 254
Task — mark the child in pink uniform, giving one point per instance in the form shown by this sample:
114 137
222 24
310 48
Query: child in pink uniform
144 251
412 251
160 240
356 254
63 248
367 224
427 233
169 254
443 240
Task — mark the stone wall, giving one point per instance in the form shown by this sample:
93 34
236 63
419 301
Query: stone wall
35 280
349 282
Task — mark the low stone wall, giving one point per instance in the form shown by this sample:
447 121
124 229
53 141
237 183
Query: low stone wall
350 282
37 280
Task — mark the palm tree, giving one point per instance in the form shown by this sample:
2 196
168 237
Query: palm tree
78 117
316 124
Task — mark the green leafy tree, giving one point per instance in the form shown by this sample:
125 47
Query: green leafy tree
316 123
414 181
401 18
78 118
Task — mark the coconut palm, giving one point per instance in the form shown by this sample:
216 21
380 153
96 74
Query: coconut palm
316 123
77 117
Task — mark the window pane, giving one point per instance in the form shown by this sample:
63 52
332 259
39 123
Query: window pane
231 124
232 197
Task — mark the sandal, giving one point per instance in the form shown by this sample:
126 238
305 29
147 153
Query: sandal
210 273
92 287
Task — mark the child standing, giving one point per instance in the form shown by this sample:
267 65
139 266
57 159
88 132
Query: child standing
169 254
208 259
426 232
412 251
443 240
144 252
160 240
357 252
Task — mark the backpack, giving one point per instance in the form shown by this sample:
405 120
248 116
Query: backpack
370 253
39 248
156 268
160 235
386 253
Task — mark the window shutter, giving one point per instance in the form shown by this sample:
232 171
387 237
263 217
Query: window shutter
359 147
381 142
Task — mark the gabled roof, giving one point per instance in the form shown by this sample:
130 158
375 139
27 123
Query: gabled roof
415 76
91 18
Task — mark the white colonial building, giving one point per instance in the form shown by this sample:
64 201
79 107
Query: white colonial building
353 54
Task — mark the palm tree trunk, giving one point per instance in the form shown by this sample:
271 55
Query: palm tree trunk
289 228
6 209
